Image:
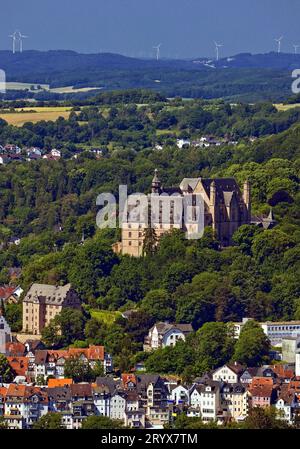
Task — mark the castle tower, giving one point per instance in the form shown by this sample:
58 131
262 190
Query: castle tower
213 203
247 198
156 184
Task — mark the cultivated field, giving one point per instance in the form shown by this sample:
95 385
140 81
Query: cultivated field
39 87
286 107
34 115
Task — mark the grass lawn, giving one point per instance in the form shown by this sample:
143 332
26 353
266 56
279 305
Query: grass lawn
162 132
105 316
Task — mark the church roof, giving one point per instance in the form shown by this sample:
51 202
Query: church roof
222 185
189 184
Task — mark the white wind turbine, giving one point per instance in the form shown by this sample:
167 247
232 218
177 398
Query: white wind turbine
157 48
17 38
296 48
217 46
279 43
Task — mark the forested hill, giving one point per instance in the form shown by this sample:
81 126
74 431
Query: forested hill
272 60
242 77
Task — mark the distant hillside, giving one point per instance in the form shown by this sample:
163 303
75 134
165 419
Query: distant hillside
282 61
241 77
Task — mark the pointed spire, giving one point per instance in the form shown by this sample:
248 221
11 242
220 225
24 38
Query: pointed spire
156 184
271 215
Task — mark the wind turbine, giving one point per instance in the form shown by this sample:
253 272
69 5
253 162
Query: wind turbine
217 49
279 43
17 38
296 48
157 48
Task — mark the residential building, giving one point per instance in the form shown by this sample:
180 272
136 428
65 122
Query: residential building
262 395
180 395
24 405
234 399
10 294
205 401
229 373
166 334
51 362
118 406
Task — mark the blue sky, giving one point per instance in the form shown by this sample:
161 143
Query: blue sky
186 28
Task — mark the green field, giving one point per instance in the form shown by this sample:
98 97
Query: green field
106 316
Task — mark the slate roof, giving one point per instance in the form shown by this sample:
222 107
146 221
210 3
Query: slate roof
51 294
163 328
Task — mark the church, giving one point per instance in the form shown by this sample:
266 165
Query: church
225 209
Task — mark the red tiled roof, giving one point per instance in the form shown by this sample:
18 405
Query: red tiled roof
126 378
52 383
6 292
261 390
262 381
15 349
96 353
3 391
19 365
16 390
283 371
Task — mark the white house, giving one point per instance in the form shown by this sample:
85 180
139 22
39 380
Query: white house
228 373
102 398
55 153
205 401
182 143
117 406
286 404
180 395
166 334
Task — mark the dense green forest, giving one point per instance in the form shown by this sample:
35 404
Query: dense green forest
51 204
243 77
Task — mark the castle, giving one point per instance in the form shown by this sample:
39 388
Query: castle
225 209
43 302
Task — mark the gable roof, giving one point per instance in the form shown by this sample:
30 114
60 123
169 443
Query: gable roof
15 390
56 394
163 328
107 382
265 390
81 390
126 378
